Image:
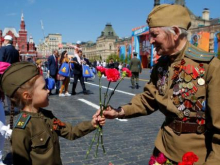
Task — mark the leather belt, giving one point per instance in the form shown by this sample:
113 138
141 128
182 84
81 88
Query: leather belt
186 127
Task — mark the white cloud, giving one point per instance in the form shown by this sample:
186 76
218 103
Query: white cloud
11 14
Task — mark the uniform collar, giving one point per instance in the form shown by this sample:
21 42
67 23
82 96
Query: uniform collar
32 114
179 55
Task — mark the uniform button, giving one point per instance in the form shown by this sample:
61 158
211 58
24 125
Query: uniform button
41 139
171 97
51 129
201 55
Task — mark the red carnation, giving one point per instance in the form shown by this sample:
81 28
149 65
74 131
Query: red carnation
101 69
127 71
185 163
190 157
112 74
152 160
161 159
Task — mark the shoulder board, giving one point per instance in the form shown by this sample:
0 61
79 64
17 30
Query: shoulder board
198 54
22 120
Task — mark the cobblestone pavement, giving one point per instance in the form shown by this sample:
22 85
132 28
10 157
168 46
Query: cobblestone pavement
127 142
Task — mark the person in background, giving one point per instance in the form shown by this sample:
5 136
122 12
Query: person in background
86 62
135 67
9 54
76 47
39 66
111 64
65 82
53 68
78 73
116 64
35 136
120 66
95 64
71 67
104 64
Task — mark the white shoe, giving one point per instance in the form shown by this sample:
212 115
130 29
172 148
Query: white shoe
61 95
67 94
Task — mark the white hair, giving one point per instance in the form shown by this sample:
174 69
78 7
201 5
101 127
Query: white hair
183 32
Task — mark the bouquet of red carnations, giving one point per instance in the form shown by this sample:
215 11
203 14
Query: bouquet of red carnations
112 75
188 158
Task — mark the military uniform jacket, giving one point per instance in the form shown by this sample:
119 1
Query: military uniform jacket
174 145
135 65
35 138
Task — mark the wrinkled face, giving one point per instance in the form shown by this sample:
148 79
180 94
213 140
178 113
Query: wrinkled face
163 41
40 96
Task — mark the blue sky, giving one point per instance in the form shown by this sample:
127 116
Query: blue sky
85 19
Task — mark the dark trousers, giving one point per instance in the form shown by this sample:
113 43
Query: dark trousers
57 83
134 78
81 79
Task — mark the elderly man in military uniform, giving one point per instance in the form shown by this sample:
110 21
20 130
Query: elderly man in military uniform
184 85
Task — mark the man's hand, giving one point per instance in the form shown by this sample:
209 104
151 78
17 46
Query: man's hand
97 119
111 113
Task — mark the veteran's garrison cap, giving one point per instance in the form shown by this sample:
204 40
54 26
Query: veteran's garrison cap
16 75
167 15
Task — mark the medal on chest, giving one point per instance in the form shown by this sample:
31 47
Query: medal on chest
185 78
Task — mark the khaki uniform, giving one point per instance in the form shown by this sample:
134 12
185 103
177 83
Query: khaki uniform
35 138
135 67
175 139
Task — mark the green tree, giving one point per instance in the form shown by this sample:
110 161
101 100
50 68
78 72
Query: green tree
113 56
121 58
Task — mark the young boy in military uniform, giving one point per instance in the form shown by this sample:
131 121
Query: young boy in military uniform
184 86
35 137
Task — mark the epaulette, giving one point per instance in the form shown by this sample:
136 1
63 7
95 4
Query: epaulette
22 120
198 54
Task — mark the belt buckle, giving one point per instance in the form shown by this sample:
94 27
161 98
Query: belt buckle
181 126
201 129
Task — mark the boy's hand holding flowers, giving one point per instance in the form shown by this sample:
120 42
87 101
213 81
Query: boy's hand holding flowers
98 120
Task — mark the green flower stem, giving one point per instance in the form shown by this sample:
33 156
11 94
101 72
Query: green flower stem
106 93
100 96
114 91
90 147
103 147
97 145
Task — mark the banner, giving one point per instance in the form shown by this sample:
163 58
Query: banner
201 40
217 43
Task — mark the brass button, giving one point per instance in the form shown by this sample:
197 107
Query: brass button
201 55
41 139
51 129
171 97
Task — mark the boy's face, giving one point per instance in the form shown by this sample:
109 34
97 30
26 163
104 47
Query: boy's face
40 96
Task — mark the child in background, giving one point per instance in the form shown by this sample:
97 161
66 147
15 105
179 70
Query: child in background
35 137
39 65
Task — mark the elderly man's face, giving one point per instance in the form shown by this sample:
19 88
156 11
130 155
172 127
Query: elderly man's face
162 41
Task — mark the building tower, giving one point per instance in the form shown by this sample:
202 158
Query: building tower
156 2
31 45
22 40
180 2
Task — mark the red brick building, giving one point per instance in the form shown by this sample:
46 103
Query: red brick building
20 41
